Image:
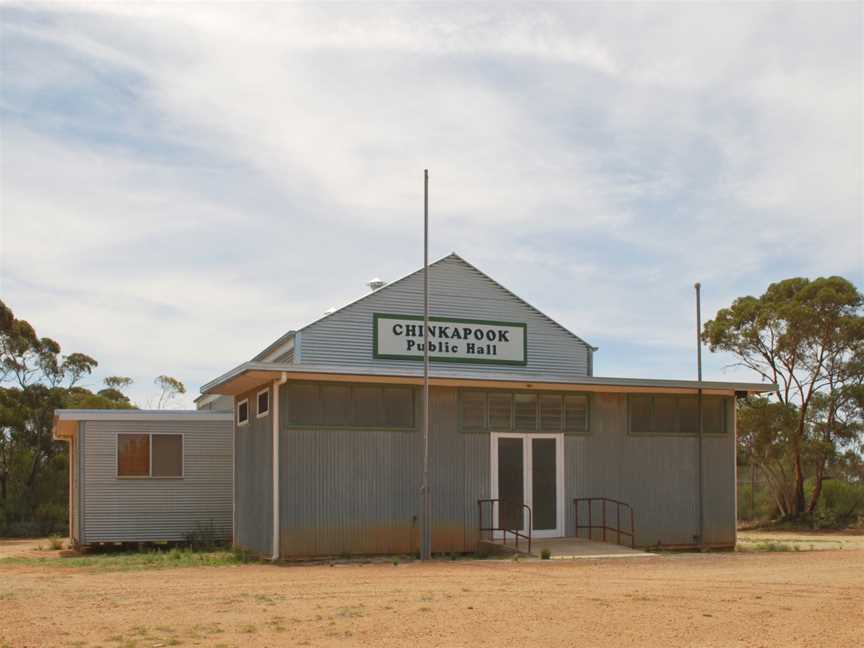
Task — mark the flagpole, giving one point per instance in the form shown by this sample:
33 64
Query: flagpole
426 531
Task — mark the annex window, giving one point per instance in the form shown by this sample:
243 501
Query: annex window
350 406
133 455
665 414
263 402
501 411
149 455
243 412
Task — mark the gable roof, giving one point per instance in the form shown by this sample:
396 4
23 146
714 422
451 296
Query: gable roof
290 334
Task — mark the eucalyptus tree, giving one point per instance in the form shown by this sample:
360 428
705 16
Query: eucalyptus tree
807 336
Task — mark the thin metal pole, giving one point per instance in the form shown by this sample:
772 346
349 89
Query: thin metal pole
698 287
426 543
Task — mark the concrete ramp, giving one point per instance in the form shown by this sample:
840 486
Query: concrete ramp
576 548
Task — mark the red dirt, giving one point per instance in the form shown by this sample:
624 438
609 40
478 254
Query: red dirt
732 599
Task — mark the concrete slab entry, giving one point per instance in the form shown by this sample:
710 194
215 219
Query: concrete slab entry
580 548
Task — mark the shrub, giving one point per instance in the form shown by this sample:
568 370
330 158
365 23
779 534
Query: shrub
545 554
840 505
205 537
55 542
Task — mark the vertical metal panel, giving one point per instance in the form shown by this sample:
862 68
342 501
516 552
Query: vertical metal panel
79 463
655 474
357 491
456 290
253 481
134 510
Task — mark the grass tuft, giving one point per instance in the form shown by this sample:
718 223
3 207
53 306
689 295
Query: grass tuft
135 561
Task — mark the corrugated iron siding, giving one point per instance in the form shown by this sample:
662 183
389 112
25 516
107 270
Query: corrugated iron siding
137 510
253 480
358 491
655 474
456 290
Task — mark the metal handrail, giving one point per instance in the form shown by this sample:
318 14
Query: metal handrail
603 526
516 532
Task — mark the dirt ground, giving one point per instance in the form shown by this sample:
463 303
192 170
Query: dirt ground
785 598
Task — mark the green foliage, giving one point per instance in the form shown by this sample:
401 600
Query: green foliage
35 379
808 338
545 554
755 504
169 388
206 537
841 505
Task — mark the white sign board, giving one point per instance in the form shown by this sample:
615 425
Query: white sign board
450 340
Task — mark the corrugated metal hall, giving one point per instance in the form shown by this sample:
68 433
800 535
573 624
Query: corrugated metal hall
524 439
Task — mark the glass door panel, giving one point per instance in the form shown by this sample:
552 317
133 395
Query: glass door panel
511 482
544 483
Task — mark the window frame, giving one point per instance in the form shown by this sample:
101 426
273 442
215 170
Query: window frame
538 429
150 436
319 384
258 413
237 413
724 409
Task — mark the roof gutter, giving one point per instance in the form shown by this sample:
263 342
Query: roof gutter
275 409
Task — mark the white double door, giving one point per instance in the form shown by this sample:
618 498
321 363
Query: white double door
529 469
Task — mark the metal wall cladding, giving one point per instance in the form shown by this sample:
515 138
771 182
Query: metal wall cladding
457 290
656 475
358 491
253 480
138 510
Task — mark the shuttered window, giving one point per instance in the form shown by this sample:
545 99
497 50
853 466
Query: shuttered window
336 405
525 411
368 406
398 407
149 455
304 404
473 410
641 412
551 413
502 411
713 421
688 415
329 405
666 414
576 413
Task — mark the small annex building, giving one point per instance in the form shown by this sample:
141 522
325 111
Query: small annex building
147 475
327 430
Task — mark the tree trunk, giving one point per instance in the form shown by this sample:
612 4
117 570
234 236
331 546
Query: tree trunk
798 504
817 487
798 507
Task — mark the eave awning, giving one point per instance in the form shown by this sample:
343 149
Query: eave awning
250 375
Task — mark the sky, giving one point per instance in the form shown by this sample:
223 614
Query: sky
182 183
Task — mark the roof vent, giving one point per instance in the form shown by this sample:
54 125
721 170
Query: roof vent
375 284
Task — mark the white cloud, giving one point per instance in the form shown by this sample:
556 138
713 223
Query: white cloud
180 186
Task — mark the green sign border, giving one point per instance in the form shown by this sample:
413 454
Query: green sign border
457 320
